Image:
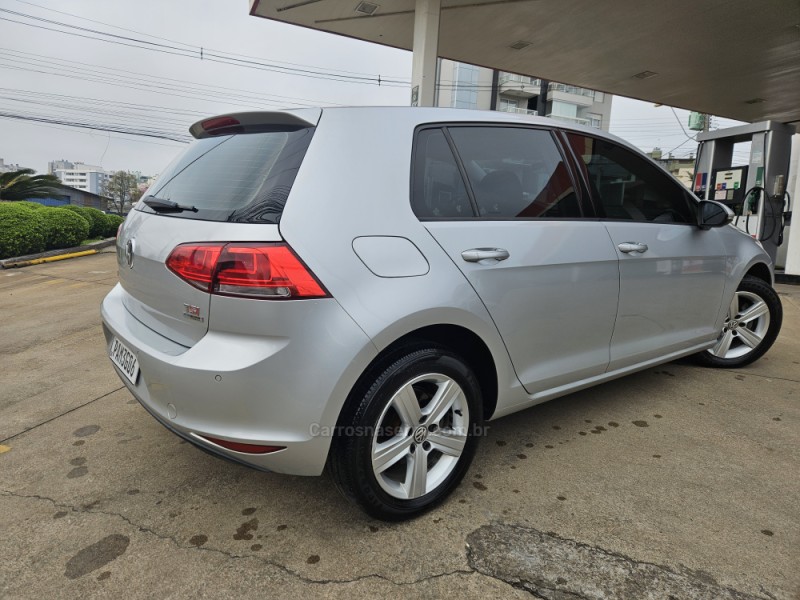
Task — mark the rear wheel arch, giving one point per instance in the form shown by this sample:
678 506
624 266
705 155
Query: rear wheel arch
457 339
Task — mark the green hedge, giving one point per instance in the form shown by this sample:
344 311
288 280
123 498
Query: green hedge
22 230
29 204
112 224
65 228
95 218
29 227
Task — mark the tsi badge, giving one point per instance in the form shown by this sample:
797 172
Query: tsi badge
193 312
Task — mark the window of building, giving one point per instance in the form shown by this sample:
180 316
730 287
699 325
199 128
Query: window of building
507 105
564 109
465 90
595 120
627 186
516 172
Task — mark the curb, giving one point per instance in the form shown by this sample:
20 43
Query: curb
55 255
787 279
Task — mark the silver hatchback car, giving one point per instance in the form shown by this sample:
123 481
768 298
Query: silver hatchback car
363 287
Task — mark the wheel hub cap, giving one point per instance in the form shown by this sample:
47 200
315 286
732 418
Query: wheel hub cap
421 434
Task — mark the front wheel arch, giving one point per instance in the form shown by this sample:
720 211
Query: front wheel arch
760 271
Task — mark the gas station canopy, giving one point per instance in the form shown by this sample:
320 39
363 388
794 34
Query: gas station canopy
734 58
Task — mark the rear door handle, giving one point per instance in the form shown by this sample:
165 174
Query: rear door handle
628 247
479 255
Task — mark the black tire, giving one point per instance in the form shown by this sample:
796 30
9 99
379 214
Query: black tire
741 354
372 406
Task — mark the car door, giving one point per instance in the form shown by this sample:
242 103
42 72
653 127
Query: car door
671 271
501 201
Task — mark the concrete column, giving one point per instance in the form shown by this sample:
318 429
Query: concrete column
792 234
426 50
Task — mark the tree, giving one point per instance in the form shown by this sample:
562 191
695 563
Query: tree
121 190
24 185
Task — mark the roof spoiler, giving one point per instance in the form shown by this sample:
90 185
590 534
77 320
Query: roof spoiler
253 122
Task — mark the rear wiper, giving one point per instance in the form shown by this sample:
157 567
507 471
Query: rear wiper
161 205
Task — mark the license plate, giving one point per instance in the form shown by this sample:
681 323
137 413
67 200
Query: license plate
126 360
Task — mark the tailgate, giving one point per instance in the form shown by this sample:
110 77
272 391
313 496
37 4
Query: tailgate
154 294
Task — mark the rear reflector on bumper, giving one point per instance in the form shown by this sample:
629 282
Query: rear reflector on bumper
240 447
266 271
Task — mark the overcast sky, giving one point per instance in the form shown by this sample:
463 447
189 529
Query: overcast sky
67 78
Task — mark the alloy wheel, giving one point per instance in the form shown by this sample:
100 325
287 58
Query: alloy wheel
745 326
420 436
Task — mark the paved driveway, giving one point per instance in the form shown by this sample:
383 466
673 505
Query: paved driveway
674 481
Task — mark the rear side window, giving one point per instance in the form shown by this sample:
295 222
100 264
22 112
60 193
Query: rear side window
516 172
627 186
243 178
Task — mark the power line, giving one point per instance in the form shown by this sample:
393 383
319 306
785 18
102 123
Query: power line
116 137
147 107
193 46
88 125
106 122
228 92
83 110
137 86
681 124
132 83
86 102
209 56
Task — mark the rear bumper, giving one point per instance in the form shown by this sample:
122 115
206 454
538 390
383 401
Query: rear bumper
276 390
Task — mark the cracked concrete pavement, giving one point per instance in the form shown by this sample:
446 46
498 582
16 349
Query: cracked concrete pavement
676 480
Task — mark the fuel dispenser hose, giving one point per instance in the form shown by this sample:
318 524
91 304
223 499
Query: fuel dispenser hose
776 219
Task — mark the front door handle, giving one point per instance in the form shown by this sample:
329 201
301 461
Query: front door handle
479 255
628 247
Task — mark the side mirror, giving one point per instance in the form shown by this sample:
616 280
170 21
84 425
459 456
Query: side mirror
713 214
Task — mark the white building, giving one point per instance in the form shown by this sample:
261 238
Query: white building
460 85
8 168
79 175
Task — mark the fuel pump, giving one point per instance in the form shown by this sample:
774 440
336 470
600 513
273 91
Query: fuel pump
756 192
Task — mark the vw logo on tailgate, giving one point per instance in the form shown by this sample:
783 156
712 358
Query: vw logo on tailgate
129 247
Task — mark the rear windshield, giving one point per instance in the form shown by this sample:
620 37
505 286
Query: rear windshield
242 178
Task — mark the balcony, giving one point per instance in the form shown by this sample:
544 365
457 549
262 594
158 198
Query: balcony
572 89
519 111
565 119
571 94
519 86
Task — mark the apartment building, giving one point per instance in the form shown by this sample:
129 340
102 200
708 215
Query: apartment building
461 85
8 168
79 175
680 168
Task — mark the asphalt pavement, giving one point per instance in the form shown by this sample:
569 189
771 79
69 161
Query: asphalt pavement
674 482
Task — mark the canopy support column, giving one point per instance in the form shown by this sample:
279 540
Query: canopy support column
426 50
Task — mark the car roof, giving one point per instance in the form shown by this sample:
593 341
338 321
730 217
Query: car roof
416 116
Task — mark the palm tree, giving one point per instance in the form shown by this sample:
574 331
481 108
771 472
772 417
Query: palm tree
23 185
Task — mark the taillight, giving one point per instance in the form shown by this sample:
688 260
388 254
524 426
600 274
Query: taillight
251 270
